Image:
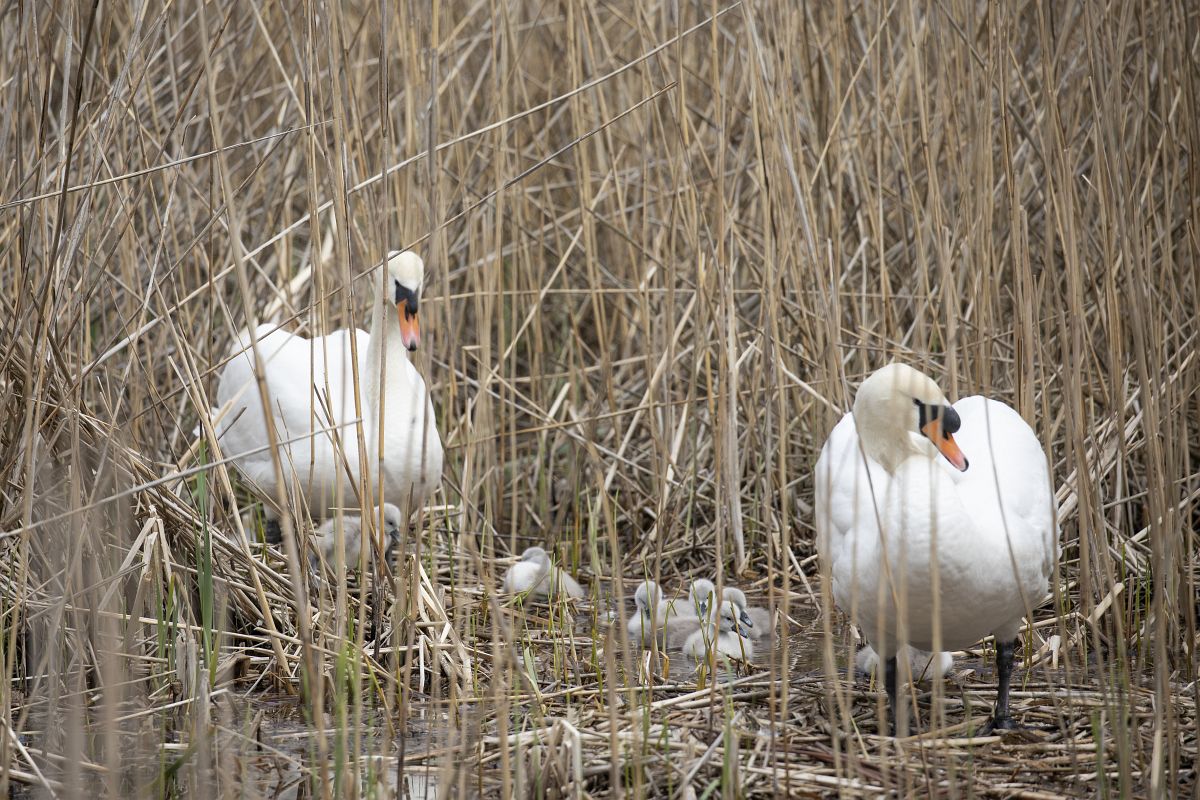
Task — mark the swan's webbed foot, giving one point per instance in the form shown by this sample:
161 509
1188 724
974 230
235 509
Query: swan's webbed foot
999 723
272 531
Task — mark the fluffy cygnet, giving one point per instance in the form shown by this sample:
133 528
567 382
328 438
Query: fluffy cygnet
650 615
924 665
537 578
759 619
352 533
689 611
726 634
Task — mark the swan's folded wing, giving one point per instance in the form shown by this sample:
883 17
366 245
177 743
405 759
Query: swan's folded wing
1009 478
847 485
310 381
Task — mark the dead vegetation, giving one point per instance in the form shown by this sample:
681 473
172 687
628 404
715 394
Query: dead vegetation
664 243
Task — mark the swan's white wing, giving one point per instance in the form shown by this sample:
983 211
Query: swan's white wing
1007 486
310 387
850 495
847 485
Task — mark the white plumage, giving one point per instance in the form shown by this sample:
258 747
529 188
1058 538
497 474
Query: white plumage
891 515
535 576
310 385
725 634
352 535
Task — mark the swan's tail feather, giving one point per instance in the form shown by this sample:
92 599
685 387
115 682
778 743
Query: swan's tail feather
924 665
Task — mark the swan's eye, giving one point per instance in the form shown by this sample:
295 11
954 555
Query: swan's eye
406 298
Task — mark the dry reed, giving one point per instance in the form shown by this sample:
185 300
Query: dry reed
665 241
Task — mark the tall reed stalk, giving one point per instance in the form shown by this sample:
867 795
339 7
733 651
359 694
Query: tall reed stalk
665 241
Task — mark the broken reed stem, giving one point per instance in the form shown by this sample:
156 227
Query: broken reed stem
664 245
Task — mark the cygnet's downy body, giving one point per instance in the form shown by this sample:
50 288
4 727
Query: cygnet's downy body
352 532
535 577
727 635
925 666
759 619
689 612
649 616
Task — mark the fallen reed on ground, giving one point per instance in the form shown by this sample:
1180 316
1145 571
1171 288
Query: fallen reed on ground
664 242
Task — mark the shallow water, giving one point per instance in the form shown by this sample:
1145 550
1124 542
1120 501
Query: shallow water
287 752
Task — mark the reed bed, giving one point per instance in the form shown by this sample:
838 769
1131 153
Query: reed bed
664 242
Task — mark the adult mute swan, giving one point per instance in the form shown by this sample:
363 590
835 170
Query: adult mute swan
916 535
311 395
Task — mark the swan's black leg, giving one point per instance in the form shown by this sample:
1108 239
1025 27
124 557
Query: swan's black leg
272 531
889 683
1001 721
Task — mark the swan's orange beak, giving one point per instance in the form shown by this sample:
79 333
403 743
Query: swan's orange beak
410 331
945 444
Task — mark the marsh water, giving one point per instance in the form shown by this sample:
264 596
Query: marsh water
268 745
287 748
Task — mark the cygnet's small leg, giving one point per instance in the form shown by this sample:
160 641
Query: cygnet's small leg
1001 721
889 683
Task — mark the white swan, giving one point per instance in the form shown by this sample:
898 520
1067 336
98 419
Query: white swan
535 577
352 534
758 619
726 634
896 516
311 394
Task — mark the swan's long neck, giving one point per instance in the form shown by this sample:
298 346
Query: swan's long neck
387 359
884 442
884 416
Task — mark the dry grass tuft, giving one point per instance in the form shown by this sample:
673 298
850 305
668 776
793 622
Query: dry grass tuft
665 242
